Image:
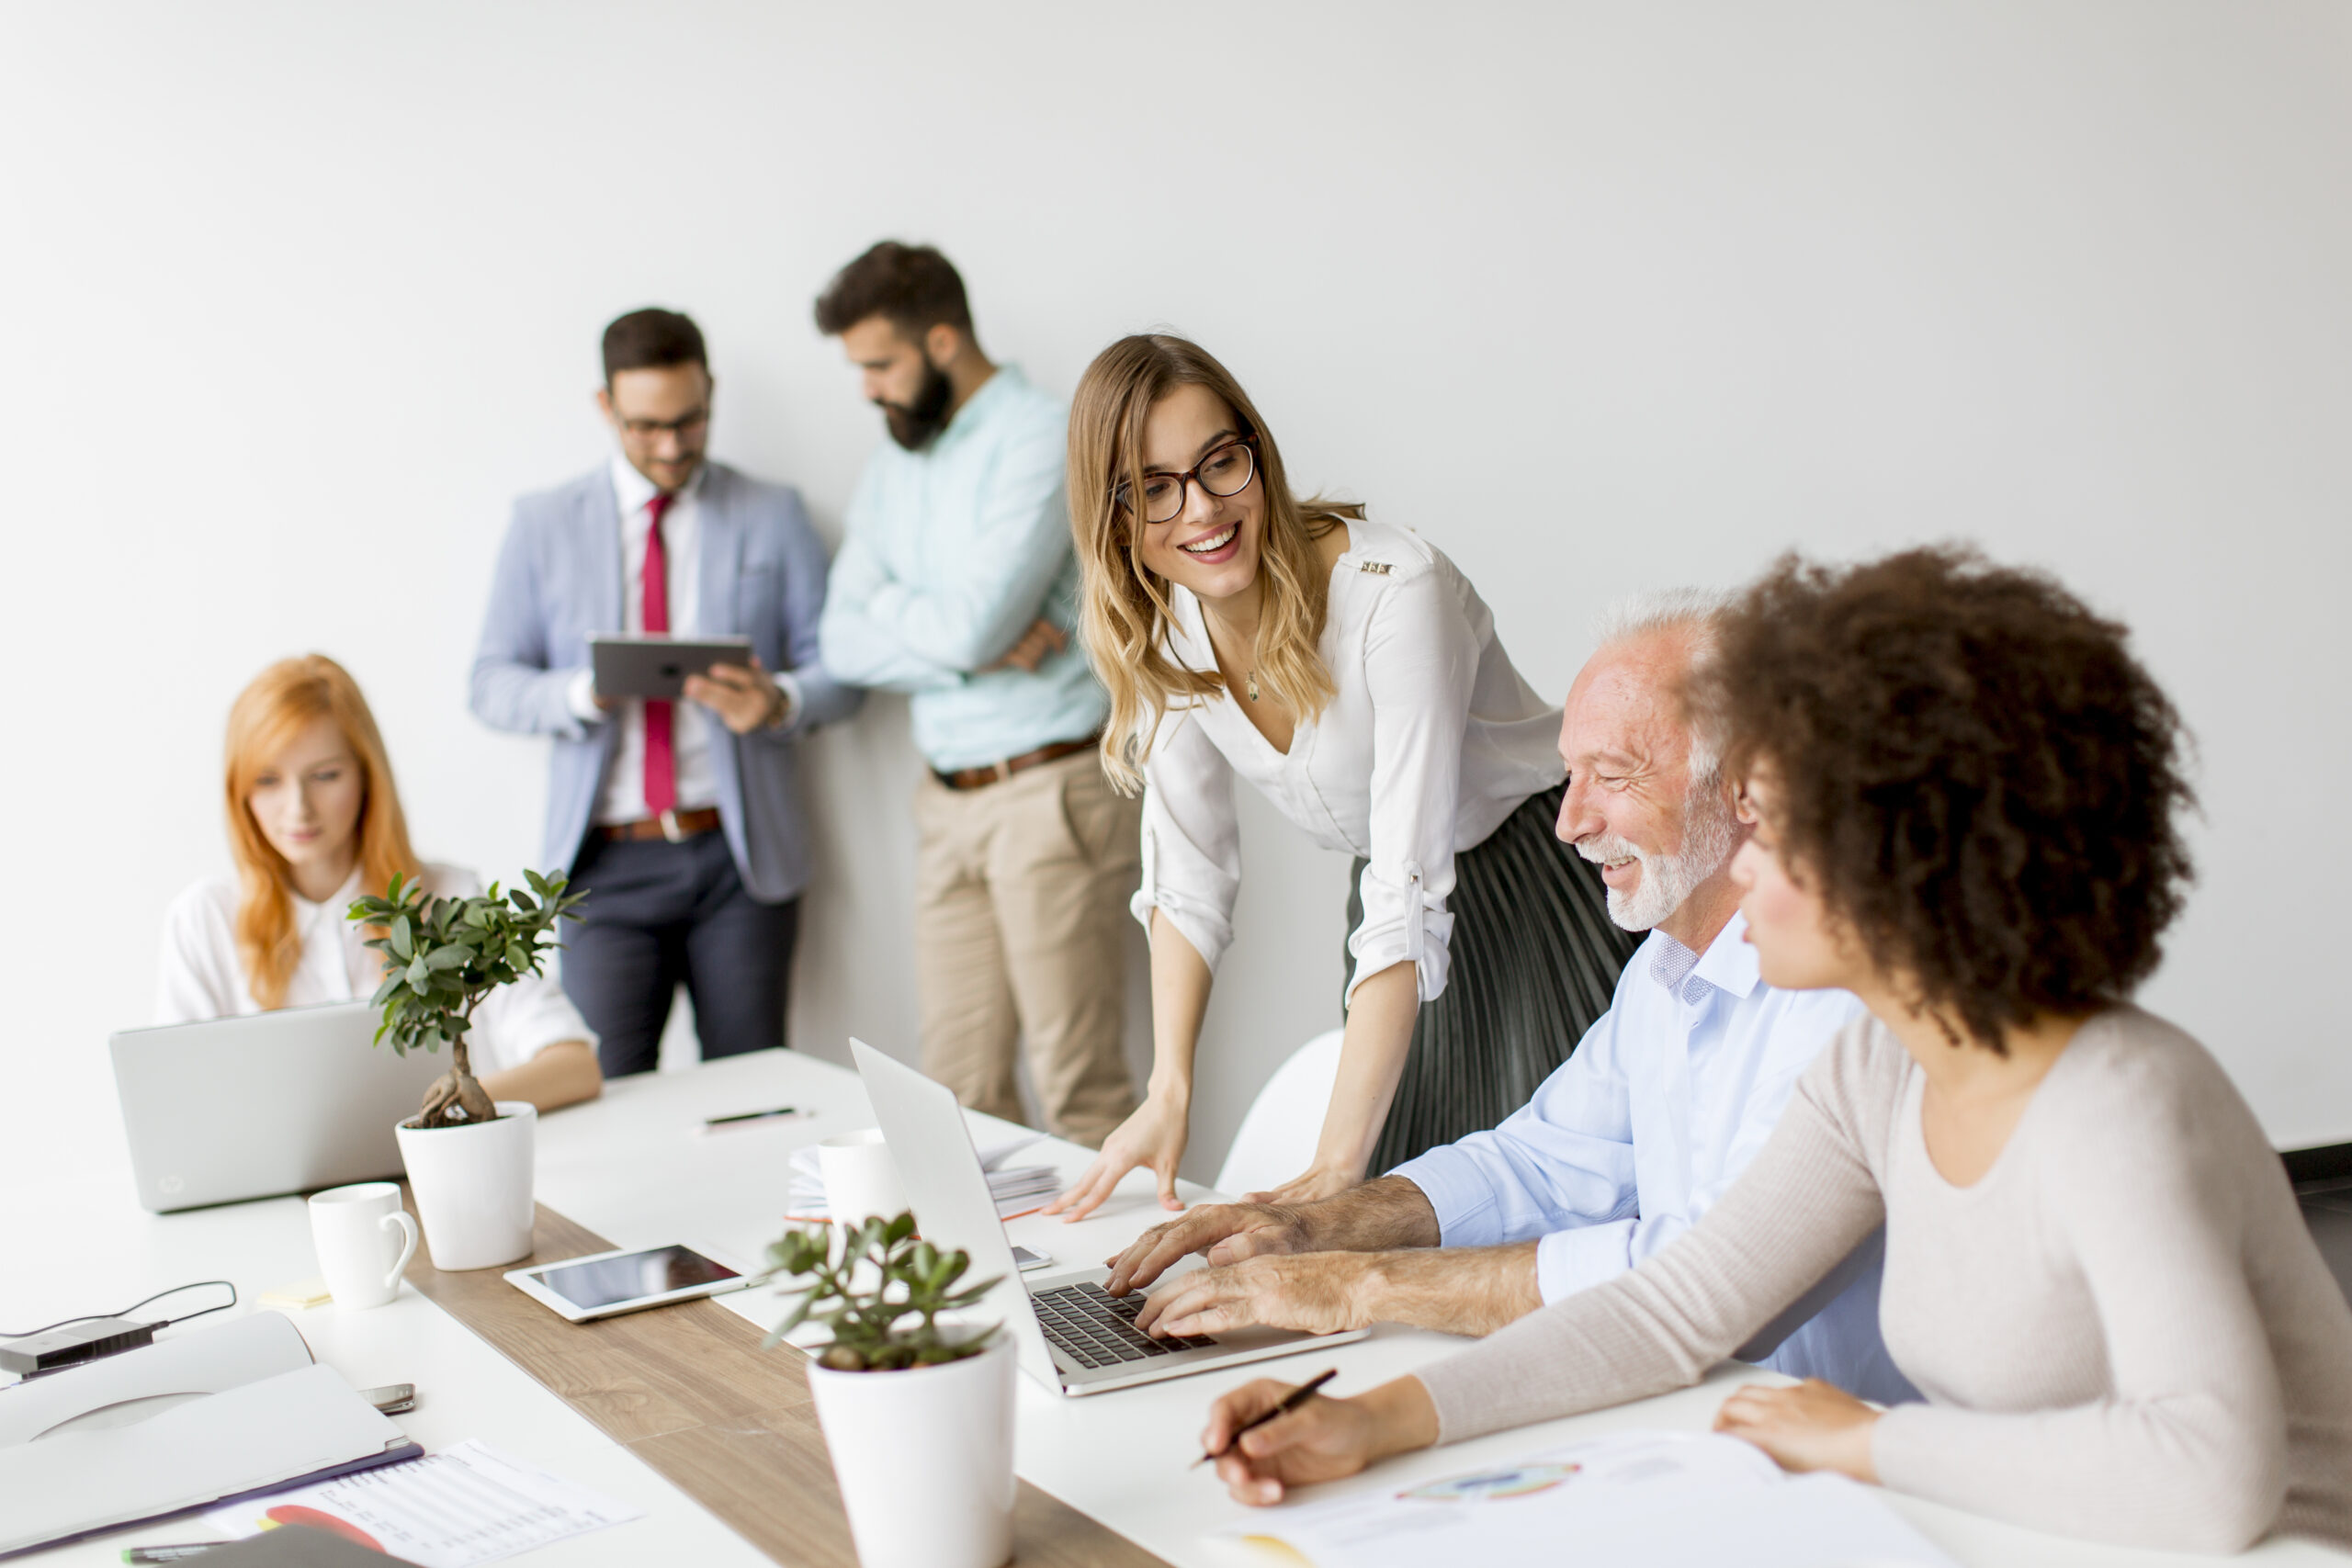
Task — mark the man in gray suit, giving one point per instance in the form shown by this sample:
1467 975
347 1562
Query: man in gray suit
684 819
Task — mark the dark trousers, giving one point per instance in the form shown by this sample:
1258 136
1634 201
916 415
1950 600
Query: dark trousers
1535 959
660 913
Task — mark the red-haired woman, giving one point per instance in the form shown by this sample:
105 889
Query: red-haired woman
314 819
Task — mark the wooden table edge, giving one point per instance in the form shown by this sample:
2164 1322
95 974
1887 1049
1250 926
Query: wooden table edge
687 1389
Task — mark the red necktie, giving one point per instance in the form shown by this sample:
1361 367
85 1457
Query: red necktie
660 758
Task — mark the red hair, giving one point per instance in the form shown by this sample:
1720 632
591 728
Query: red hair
282 700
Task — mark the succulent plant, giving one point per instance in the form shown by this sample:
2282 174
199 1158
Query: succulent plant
884 1315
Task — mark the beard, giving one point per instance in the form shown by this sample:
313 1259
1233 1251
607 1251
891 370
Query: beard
914 424
1710 834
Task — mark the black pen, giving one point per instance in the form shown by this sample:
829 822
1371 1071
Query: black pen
169 1553
1291 1402
742 1116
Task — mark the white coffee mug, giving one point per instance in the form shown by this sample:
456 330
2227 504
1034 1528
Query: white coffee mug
364 1240
860 1178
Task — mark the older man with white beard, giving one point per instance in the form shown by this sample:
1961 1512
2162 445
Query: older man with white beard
1662 1104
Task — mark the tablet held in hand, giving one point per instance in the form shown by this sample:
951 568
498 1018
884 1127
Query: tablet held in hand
658 666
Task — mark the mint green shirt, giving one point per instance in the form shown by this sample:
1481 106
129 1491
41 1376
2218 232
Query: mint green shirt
947 556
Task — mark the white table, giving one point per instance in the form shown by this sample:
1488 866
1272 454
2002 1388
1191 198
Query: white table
86 1245
633 1167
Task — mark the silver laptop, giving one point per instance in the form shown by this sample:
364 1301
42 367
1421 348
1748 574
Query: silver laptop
1072 1336
285 1101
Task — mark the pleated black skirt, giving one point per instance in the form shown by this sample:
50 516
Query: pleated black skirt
1534 958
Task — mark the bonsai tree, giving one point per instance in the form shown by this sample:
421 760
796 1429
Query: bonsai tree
893 1323
442 956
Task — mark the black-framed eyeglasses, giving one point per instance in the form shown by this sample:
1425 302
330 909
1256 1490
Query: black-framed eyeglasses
1226 470
646 429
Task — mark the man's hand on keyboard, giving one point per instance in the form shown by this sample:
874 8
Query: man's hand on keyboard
1376 1216
1223 1233
1320 1292
1456 1290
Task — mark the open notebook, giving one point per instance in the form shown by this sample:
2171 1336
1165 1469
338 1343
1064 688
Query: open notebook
221 1412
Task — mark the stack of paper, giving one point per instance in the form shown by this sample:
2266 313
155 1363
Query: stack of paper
1630 1500
1016 1190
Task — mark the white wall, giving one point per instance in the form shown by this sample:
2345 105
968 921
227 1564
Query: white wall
1596 296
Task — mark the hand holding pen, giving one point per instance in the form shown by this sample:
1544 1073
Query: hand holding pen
1318 1439
1284 1406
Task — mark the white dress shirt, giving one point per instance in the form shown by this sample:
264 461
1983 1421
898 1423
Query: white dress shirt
1432 740
203 977
622 798
1667 1096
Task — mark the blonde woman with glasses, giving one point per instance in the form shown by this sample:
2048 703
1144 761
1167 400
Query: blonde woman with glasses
1349 673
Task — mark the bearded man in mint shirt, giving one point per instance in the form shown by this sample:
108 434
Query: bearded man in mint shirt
956 583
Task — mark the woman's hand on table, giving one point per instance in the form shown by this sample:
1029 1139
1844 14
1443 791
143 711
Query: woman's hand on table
1321 1179
1153 1136
1814 1425
1323 1440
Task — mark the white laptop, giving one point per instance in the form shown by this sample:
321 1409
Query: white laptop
1072 1336
275 1103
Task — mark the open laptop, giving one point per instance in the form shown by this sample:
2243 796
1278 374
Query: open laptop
275 1103
1072 1336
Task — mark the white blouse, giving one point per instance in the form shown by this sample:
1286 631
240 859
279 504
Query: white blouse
1432 741
202 977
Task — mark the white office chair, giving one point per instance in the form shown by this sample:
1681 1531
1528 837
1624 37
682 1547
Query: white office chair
1276 1140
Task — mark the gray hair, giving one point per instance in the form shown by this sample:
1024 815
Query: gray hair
1695 613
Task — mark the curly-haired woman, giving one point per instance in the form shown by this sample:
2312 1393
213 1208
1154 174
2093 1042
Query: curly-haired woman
1965 790
1349 673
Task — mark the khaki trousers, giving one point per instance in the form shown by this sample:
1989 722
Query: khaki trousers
1020 917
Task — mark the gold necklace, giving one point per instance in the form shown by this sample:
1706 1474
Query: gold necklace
1251 682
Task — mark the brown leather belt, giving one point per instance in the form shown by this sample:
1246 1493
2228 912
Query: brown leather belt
675 826
997 772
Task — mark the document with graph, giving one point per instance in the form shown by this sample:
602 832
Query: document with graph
1641 1499
466 1506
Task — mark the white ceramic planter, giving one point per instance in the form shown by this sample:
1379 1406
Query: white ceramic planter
473 1187
925 1458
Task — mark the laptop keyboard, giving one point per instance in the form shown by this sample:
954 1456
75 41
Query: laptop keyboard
1095 1328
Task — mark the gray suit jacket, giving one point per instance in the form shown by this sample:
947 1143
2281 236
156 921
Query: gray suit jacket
763 576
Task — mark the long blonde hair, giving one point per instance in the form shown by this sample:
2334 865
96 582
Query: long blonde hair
1126 616
283 698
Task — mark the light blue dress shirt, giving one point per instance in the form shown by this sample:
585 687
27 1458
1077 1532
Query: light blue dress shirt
947 556
1664 1102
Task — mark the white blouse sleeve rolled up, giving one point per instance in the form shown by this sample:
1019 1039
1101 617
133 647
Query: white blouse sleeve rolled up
1420 661
1191 840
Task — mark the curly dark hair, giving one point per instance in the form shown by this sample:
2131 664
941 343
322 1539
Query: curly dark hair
1972 768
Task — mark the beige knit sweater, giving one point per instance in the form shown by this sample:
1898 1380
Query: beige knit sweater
2122 1329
